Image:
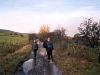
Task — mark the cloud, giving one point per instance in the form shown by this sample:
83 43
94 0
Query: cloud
29 21
32 3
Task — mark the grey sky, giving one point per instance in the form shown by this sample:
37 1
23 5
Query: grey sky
29 15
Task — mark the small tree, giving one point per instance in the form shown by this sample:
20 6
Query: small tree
44 29
21 35
77 38
61 38
90 31
60 33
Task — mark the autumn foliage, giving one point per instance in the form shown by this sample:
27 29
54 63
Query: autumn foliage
44 29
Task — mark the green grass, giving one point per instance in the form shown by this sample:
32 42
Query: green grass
91 69
9 44
10 55
10 62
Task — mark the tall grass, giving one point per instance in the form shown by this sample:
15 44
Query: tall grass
77 59
79 51
9 63
9 57
9 44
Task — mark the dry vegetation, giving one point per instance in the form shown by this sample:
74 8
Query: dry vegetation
77 60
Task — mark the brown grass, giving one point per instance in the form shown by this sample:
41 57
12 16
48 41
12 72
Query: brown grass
72 62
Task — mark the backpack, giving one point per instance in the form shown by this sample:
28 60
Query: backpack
35 47
45 44
49 45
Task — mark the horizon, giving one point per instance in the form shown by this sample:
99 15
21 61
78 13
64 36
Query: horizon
26 16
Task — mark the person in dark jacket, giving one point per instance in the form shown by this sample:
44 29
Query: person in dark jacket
45 43
35 48
49 47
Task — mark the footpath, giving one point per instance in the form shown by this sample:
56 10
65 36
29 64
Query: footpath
42 67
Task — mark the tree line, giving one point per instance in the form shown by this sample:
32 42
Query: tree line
89 33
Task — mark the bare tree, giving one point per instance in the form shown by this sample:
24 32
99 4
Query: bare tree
77 38
90 30
60 33
61 38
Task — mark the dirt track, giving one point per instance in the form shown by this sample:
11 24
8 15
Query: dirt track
42 67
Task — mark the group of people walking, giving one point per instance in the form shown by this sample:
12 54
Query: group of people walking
47 44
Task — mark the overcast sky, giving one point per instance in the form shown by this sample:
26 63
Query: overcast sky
29 15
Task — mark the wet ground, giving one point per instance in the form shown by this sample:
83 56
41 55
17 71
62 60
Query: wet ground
42 67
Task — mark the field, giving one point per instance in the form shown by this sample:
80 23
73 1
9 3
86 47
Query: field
9 44
13 49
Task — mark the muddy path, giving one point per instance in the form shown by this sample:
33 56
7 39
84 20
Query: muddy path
42 67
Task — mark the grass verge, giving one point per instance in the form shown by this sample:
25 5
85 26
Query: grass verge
77 64
9 62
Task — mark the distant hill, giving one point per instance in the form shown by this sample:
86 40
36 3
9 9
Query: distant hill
6 31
